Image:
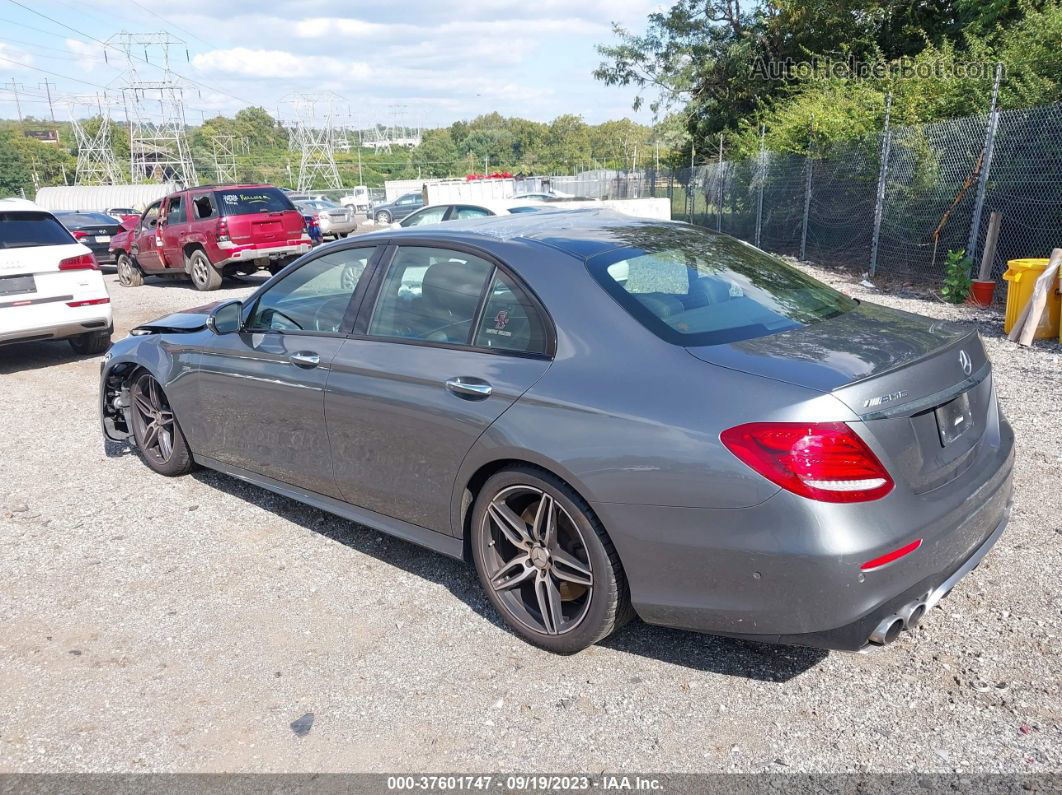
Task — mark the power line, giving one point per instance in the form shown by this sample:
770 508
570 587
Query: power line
54 74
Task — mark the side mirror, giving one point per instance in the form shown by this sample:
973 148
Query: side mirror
226 318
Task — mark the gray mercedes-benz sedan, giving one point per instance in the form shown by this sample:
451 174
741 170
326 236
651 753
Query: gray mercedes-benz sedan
609 416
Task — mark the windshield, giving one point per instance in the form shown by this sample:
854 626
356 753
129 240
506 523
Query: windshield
243 201
25 229
692 287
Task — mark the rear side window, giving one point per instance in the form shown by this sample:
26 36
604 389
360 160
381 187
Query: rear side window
204 206
692 287
510 320
245 201
472 212
22 229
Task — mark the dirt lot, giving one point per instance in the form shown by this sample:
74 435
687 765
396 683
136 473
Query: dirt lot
184 625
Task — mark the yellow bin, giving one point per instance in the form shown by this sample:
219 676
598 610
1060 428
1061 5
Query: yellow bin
1021 277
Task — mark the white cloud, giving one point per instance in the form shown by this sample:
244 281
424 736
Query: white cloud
264 64
13 58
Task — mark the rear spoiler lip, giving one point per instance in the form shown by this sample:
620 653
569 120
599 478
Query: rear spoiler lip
930 401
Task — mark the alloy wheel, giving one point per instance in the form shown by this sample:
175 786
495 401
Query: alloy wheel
154 418
536 561
200 270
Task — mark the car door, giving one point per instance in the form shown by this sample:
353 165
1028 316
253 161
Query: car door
422 377
145 248
261 390
173 230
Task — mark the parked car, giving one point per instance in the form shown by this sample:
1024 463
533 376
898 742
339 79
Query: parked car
214 231
51 287
544 196
398 209
335 221
95 230
437 213
607 416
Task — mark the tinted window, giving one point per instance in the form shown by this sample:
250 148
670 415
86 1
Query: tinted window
313 298
204 206
429 215
472 212
243 201
695 288
28 228
510 321
175 210
430 294
75 220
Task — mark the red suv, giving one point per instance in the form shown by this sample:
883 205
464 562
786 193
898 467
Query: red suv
213 231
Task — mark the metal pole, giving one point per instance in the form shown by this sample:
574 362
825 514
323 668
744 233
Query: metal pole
807 194
48 90
719 177
762 178
990 141
879 201
689 186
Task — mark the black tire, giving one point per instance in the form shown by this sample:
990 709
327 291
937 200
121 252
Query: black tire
382 217
91 343
577 615
204 275
129 274
159 438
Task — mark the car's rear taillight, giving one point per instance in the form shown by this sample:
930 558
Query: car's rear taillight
82 262
824 461
79 234
89 302
223 229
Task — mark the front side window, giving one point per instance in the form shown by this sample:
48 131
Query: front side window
692 287
510 320
315 297
430 294
429 215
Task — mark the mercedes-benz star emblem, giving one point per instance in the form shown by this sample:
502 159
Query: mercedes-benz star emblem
965 363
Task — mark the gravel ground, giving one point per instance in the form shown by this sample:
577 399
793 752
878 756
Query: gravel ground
149 624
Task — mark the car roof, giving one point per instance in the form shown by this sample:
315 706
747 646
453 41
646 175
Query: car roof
21 204
582 233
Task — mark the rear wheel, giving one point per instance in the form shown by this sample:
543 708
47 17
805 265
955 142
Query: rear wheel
204 276
92 343
129 274
383 217
546 563
155 428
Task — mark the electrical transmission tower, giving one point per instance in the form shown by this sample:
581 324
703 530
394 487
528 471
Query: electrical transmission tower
224 151
96 163
314 139
158 140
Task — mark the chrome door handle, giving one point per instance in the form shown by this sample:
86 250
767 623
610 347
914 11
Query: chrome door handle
469 388
306 359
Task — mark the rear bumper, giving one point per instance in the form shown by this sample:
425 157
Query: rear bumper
251 253
788 569
51 321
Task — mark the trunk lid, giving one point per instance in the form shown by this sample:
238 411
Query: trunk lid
922 387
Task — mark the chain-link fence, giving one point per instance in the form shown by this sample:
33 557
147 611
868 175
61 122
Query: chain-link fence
891 204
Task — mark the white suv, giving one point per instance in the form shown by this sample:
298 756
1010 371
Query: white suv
50 285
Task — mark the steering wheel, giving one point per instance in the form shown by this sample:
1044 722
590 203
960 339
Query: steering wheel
322 324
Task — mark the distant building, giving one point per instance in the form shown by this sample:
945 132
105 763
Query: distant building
44 136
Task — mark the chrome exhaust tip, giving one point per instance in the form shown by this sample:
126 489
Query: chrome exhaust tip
912 613
887 630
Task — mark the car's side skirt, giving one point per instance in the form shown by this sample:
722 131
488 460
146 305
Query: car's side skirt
439 542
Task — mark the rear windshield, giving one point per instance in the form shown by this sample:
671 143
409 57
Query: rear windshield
692 287
243 201
74 220
27 228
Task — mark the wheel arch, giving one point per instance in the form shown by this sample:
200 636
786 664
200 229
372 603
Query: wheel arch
471 482
188 250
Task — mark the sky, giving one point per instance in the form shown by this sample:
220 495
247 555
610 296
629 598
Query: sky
412 62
